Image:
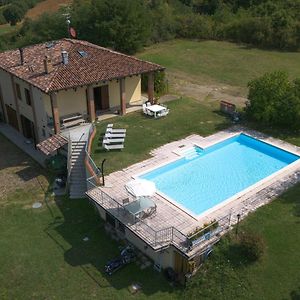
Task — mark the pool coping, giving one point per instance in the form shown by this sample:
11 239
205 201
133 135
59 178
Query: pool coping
250 190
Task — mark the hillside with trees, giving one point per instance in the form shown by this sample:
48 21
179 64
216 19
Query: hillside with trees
129 25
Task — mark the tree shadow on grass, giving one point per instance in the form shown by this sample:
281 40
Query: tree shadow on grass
79 220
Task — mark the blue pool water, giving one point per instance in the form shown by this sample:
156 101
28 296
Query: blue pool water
205 178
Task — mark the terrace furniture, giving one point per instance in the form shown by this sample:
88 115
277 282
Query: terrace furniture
115 135
157 110
230 109
110 128
113 138
142 207
113 141
163 113
145 111
113 146
72 120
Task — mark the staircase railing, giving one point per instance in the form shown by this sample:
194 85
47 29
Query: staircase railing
91 168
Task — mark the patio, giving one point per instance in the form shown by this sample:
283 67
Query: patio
169 215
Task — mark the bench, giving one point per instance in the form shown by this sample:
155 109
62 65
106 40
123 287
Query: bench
230 109
72 120
227 107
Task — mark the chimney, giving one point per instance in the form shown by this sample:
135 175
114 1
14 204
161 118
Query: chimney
48 65
21 56
65 57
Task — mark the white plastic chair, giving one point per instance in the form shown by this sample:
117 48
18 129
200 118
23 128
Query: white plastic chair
145 109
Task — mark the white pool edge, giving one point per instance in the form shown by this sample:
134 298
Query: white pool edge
249 191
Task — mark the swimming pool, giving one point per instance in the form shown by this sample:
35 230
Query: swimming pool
204 178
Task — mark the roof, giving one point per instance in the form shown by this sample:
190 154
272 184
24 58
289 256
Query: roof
88 64
51 144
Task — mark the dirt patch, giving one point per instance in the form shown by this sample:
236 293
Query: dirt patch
19 175
182 84
47 6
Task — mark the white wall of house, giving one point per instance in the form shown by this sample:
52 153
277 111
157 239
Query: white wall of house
7 91
69 101
133 89
164 258
41 116
24 108
72 101
114 93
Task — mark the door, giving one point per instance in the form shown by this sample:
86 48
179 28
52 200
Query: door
181 265
101 98
28 128
12 117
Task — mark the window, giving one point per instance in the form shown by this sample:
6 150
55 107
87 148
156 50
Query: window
27 97
18 91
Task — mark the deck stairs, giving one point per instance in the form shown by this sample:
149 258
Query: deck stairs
77 181
190 153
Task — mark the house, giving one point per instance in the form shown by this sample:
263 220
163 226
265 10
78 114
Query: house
47 87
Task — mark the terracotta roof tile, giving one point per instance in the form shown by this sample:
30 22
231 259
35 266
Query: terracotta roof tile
99 64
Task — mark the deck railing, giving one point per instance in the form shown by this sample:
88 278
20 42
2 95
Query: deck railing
163 237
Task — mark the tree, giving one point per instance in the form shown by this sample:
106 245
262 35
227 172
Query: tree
122 25
13 14
274 99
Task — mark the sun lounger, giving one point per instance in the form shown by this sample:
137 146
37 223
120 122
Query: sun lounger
113 141
110 128
110 135
113 146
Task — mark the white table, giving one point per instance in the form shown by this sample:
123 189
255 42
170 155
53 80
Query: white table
156 109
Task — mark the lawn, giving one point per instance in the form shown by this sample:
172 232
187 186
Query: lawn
43 255
6 28
186 117
276 276
220 62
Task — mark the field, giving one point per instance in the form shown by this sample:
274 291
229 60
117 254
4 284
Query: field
220 62
47 6
213 70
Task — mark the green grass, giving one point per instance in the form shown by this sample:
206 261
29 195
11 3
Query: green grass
220 62
276 276
6 28
42 255
144 134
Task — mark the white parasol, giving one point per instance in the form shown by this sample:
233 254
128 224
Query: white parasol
141 187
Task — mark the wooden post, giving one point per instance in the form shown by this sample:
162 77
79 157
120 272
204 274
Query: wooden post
55 112
151 87
122 97
91 103
16 104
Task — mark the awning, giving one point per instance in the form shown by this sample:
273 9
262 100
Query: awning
52 143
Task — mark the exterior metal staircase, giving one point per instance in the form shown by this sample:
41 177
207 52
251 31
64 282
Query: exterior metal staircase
77 179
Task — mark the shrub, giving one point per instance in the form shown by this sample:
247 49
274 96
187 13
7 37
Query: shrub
160 83
274 100
252 245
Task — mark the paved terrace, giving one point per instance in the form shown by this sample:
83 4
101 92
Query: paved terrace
168 215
